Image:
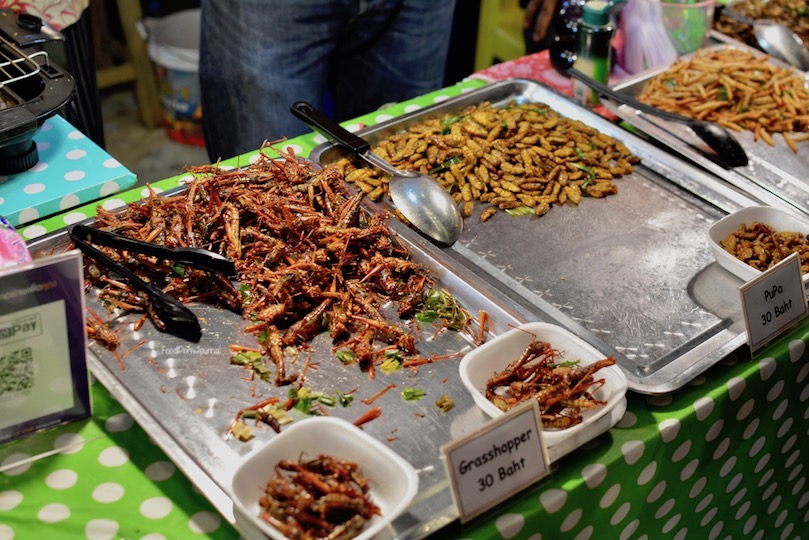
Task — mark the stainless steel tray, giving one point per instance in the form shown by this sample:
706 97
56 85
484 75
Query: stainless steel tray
185 395
776 175
632 274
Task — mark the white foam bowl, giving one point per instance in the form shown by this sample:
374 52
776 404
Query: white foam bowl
393 481
479 365
779 220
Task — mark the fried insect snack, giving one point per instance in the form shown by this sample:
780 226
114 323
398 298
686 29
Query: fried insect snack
761 246
326 497
522 158
736 90
792 13
309 259
562 389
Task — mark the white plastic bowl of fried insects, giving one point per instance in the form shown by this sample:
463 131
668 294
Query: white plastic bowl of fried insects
573 382
322 474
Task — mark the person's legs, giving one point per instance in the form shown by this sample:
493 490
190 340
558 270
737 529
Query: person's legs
256 58
394 50
84 110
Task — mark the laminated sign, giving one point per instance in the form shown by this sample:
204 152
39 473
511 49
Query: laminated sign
43 365
493 463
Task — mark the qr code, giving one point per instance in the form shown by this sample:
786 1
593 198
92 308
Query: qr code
16 371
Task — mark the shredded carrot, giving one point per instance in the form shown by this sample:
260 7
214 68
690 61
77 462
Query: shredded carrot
379 394
132 348
242 348
413 362
372 414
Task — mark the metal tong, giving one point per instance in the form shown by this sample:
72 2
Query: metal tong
179 320
729 151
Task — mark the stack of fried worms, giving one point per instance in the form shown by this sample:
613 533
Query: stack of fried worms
308 258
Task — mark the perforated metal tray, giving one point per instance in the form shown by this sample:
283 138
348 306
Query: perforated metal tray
775 175
185 395
632 274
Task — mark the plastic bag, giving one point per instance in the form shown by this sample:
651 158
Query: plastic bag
13 250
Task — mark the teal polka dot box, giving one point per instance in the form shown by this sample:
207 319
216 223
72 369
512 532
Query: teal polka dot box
71 170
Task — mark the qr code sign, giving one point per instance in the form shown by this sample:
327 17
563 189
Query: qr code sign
16 371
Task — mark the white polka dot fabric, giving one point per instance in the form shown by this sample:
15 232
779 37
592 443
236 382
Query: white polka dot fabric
71 170
725 458
100 480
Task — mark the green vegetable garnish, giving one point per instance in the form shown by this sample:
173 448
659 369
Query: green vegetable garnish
178 270
346 356
244 290
448 121
568 363
441 304
392 363
426 316
520 211
722 93
344 399
411 394
254 360
590 172
445 403
303 399
446 165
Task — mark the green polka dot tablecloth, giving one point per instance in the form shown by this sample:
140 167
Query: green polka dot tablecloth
100 479
724 457
72 170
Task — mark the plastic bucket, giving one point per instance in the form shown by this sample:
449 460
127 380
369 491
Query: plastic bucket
173 44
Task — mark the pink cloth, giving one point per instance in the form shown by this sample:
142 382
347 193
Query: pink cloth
58 13
13 250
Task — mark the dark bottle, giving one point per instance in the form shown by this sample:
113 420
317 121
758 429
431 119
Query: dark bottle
595 32
566 41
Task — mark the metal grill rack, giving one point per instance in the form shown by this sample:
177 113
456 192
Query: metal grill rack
32 89
16 65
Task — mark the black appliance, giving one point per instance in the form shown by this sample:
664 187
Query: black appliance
32 88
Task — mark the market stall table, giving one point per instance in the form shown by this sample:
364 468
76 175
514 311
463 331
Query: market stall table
72 170
722 455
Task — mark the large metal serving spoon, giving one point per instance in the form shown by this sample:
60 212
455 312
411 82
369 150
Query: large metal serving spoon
718 138
420 198
777 40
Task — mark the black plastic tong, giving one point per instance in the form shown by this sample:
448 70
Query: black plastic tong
179 320
728 150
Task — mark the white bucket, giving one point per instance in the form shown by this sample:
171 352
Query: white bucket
173 44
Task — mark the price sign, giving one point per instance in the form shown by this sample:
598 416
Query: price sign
773 302
43 365
491 464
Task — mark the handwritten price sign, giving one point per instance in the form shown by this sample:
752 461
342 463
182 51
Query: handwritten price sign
503 457
773 302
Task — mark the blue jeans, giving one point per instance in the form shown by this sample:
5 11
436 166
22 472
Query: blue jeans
257 57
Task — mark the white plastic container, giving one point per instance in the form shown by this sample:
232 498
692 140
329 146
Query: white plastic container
478 366
173 45
393 481
779 220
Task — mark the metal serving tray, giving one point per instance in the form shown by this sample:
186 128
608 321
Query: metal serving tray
185 395
632 274
776 175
